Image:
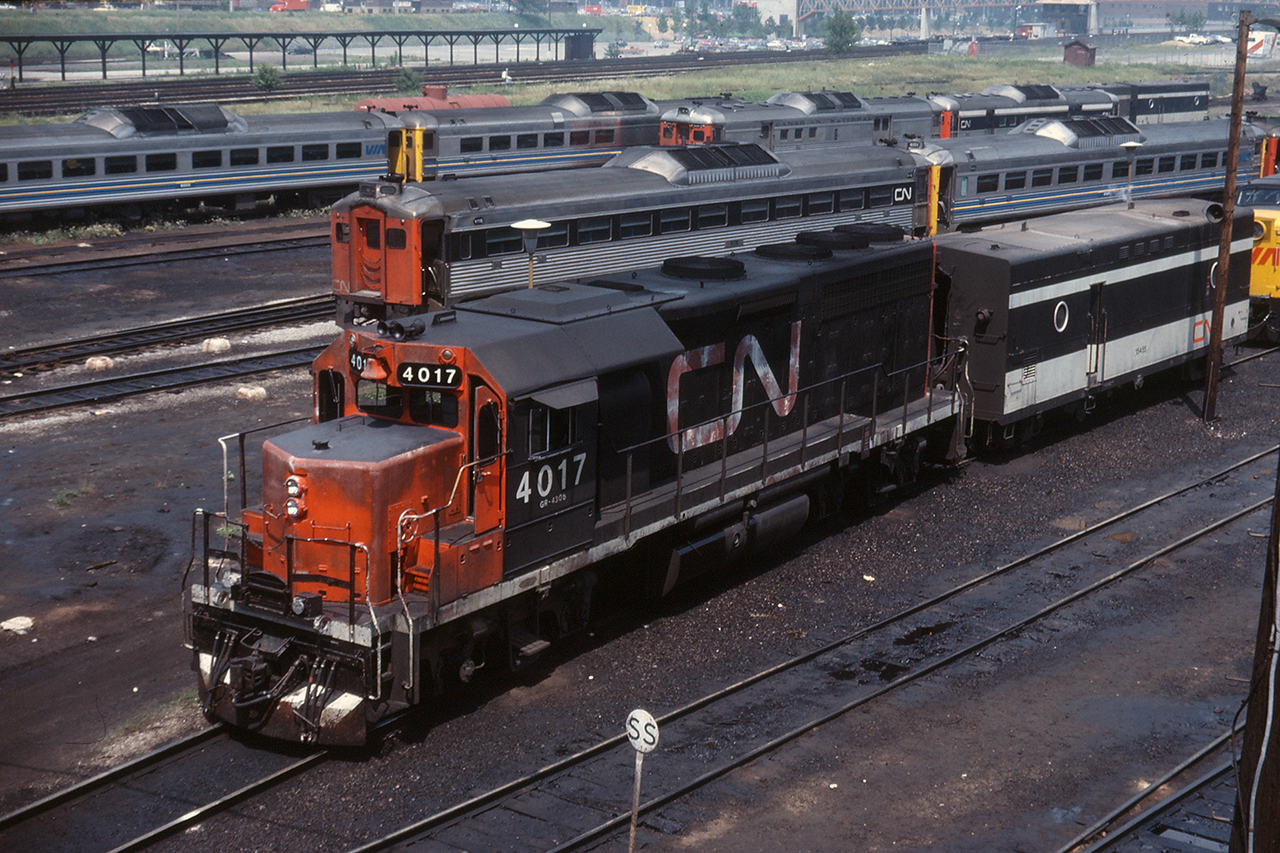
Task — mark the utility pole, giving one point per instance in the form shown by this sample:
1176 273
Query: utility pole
1223 268
1256 825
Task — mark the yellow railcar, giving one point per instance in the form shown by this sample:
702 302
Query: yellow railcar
1264 279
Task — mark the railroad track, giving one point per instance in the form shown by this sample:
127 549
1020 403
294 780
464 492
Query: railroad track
137 804
39 99
139 249
119 261
1195 819
701 742
305 309
148 382
579 802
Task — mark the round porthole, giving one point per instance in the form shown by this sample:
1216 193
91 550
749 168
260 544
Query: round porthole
1060 316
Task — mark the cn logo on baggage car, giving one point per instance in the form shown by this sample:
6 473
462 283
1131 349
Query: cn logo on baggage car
1200 330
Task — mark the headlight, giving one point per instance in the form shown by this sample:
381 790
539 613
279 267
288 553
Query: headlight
293 486
293 507
307 605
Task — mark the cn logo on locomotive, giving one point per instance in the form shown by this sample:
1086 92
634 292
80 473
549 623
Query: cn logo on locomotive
709 356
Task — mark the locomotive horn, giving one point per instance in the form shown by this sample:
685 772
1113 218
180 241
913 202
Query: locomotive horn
406 331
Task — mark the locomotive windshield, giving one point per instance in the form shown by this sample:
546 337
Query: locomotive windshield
1261 196
424 406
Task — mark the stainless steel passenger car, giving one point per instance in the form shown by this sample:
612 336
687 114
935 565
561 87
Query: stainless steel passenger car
790 121
399 247
998 109
564 131
1045 166
796 120
154 154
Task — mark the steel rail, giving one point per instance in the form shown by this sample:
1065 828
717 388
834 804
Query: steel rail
1252 356
94 783
234 798
142 337
142 764
702 781
1165 808
168 379
1151 792
134 259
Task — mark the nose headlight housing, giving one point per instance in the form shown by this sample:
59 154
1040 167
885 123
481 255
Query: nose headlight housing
295 486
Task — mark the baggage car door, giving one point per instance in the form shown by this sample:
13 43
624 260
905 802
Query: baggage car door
1095 349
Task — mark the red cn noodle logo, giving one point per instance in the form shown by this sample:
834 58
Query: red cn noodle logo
708 356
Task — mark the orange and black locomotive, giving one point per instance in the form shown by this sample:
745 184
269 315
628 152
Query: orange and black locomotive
471 471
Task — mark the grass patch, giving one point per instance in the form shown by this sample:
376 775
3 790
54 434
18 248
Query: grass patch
899 75
63 497
153 721
104 226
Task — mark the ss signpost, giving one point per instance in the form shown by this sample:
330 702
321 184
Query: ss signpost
642 731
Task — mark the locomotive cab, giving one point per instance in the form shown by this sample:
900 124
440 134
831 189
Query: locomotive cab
388 258
411 150
425 488
694 125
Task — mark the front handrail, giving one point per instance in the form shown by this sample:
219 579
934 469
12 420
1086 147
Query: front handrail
349 584
403 540
240 438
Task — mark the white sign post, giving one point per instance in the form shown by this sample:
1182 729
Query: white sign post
642 731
